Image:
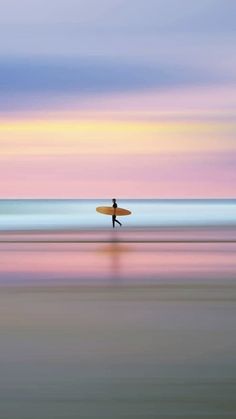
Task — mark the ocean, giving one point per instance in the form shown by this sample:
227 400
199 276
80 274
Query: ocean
78 214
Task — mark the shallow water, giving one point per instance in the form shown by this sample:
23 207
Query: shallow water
135 322
78 214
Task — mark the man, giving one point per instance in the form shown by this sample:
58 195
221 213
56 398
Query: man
114 220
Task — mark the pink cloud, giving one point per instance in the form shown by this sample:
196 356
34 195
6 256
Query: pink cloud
164 175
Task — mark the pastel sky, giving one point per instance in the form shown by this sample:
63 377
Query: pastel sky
133 99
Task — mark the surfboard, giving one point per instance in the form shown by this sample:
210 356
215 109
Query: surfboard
111 211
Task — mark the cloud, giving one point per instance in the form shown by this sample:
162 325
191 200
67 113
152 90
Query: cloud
91 75
166 175
22 79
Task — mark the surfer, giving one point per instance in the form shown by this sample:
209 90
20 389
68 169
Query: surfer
114 220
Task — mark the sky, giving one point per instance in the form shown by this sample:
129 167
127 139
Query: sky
133 99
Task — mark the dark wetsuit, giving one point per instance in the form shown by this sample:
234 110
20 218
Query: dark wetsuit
114 220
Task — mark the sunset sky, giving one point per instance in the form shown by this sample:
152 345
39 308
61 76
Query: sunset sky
133 99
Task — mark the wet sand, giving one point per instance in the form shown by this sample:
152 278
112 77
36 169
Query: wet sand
117 330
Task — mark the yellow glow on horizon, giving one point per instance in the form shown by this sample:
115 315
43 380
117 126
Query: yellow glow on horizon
113 126
70 137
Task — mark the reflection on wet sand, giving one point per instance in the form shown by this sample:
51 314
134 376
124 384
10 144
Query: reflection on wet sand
117 330
98 263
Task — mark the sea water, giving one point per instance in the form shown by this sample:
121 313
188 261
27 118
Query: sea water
78 214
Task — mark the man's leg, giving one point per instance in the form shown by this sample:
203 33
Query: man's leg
118 222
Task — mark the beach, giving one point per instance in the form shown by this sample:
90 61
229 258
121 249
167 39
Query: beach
117 329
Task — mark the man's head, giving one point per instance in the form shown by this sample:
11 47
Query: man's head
114 200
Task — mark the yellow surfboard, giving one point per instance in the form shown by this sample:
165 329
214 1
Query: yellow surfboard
113 211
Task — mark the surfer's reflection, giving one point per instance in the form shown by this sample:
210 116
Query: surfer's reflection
114 219
115 251
115 254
